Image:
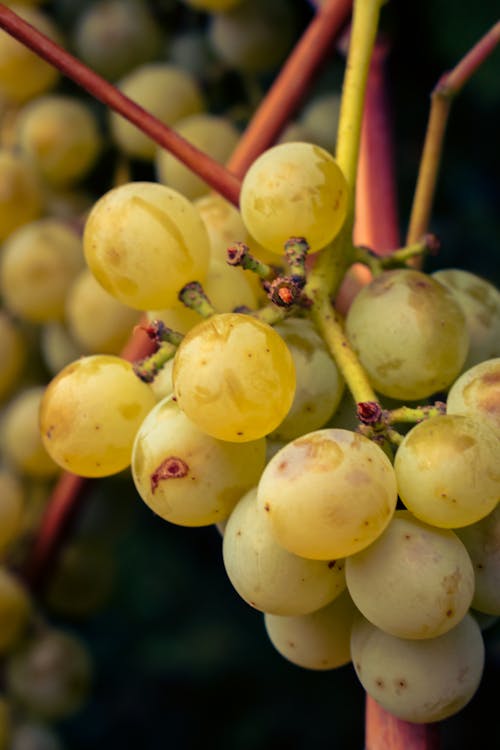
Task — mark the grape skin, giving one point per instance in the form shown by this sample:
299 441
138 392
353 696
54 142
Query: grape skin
21 194
482 541
477 393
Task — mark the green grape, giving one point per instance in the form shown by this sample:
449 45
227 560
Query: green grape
57 347
143 242
319 640
15 610
328 494
480 303
421 681
12 354
21 195
294 189
189 49
21 442
31 735
90 413
162 385
186 476
39 262
23 74
320 117
476 393
244 37
319 383
49 675
268 577
60 135
11 508
414 581
482 541
409 334
215 136
167 92
97 322
447 470
234 377
114 36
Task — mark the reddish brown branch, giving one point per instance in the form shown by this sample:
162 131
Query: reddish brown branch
385 732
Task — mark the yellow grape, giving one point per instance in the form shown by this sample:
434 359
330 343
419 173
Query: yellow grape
12 354
294 189
143 242
186 476
234 377
482 541
477 393
57 347
90 414
21 194
328 494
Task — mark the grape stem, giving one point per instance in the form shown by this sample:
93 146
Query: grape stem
448 86
148 368
397 258
239 255
193 296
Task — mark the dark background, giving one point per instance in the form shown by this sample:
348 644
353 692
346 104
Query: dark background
180 661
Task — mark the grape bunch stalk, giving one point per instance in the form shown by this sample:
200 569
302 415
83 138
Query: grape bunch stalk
334 411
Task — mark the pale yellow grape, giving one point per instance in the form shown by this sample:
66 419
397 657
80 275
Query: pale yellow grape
245 36
90 413
212 5
234 377
319 383
409 333
295 131
477 393
97 322
12 354
57 347
421 681
114 36
23 74
294 189
39 262
60 134
22 445
328 494
482 540
162 385
448 470
143 242
186 476
167 92
49 676
321 117
226 287
15 610
11 507
480 303
21 194
215 135
414 581
319 640
268 577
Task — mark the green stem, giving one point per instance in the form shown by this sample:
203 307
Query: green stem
148 368
415 414
193 296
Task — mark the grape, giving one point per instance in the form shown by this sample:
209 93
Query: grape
15 610
268 577
319 383
215 136
245 37
11 507
409 334
447 470
39 262
22 444
328 494
23 74
234 377
49 675
321 117
21 197
34 736
294 189
61 136
97 322
295 131
143 242
167 92
12 354
186 476
421 681
90 413
482 540
114 36
190 51
476 393
57 347
319 640
414 581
